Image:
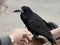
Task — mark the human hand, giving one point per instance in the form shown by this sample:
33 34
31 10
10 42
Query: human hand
21 37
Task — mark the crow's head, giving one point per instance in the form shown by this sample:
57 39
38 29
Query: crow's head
24 9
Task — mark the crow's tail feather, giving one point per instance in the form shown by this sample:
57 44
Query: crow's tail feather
52 41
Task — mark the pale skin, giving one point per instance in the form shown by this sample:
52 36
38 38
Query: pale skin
21 37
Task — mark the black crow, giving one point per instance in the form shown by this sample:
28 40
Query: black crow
35 24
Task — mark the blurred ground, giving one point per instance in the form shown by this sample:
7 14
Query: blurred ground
47 9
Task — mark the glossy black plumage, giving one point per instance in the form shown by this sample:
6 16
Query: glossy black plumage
35 24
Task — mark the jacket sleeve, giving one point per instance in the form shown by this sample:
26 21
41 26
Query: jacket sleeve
5 40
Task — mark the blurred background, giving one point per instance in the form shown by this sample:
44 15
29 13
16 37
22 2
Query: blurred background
49 10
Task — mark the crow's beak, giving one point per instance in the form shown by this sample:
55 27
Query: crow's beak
19 10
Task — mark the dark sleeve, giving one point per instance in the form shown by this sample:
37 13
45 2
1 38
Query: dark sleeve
0 42
5 40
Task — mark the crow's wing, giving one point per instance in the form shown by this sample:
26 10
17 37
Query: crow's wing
38 27
37 16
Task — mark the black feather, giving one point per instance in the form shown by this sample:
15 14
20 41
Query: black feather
52 25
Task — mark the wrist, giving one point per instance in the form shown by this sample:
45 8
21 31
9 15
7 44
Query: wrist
12 40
